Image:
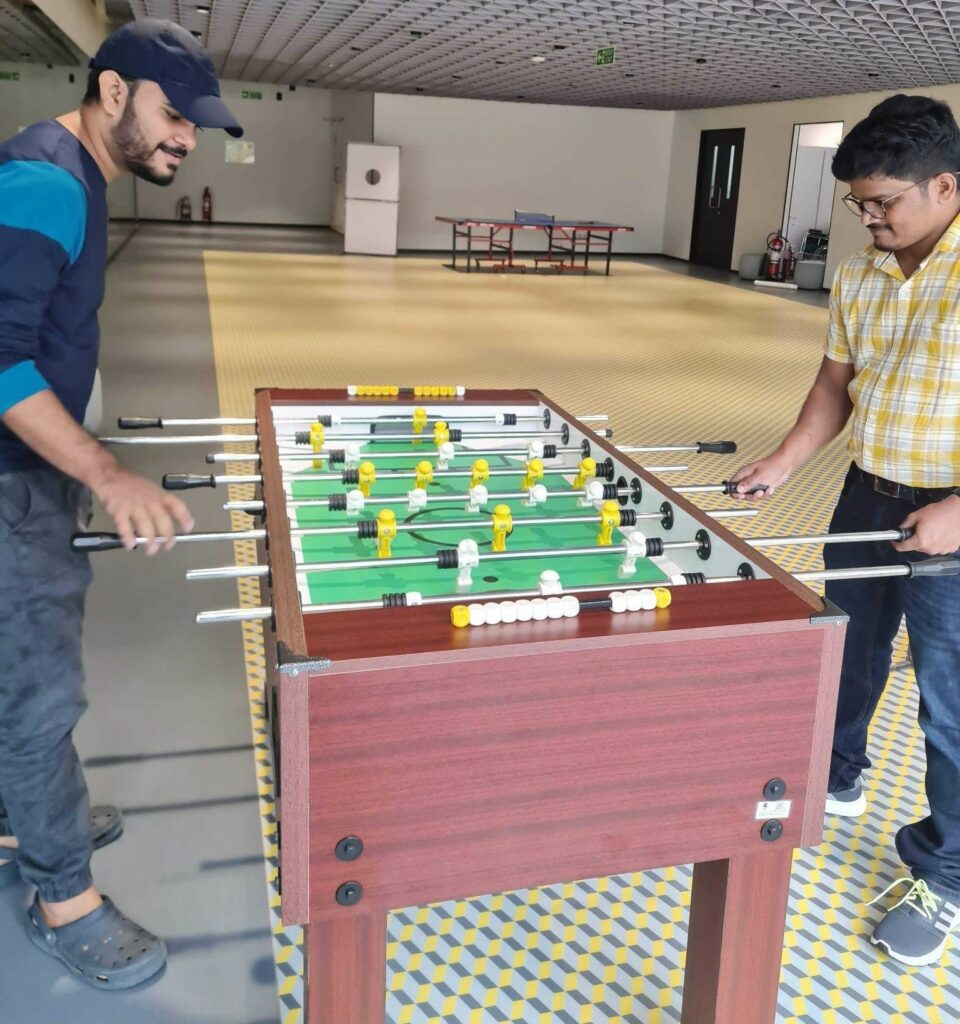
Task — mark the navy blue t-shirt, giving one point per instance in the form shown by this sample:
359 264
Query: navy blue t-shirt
53 259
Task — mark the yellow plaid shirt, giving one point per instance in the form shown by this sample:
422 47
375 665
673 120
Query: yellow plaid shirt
903 338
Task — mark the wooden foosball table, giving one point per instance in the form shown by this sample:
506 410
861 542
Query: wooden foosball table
547 667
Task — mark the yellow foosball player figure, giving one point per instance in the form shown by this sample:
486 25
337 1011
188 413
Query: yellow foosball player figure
386 531
424 474
419 420
534 473
609 521
367 476
317 438
481 472
502 527
441 433
585 471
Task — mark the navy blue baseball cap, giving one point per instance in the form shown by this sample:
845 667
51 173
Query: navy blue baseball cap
168 54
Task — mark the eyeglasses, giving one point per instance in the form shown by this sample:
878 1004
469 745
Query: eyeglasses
877 208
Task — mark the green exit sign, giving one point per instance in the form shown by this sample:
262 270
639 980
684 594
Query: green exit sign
9 76
251 94
605 55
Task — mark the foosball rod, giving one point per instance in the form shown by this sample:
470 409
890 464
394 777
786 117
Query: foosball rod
727 487
105 541
930 567
191 481
713 447
457 436
655 546
162 422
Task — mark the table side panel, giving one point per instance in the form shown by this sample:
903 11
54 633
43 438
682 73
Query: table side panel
518 771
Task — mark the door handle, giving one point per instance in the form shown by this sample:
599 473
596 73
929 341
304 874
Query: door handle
714 189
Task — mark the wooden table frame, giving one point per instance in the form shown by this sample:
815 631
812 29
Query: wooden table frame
477 761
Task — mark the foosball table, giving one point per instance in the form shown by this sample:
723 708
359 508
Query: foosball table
503 654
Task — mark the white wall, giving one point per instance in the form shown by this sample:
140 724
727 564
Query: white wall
483 158
352 121
826 135
291 180
43 93
766 157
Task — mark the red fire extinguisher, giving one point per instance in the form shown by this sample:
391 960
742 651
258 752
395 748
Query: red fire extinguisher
184 210
779 258
207 205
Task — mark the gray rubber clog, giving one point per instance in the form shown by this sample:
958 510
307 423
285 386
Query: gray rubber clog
104 949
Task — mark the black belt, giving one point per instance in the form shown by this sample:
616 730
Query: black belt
915 495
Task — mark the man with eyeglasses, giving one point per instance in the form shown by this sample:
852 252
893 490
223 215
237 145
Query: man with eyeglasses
892 367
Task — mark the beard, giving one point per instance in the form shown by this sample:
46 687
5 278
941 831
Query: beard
135 153
880 246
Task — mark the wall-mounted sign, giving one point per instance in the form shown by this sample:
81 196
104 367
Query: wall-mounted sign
9 76
240 151
605 55
251 94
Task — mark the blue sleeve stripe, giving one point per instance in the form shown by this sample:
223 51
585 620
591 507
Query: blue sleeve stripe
20 382
43 197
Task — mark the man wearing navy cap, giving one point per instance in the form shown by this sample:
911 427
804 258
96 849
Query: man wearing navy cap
151 86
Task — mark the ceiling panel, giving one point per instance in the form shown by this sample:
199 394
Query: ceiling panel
27 35
670 54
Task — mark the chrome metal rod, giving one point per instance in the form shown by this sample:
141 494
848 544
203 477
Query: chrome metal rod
104 541
232 457
501 595
242 614
829 538
228 572
234 615
864 573
484 556
399 499
429 452
427 525
184 439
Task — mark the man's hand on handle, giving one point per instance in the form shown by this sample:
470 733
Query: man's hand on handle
936 528
140 508
767 474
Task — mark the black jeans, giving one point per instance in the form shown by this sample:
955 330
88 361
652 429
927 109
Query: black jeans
43 796
931 847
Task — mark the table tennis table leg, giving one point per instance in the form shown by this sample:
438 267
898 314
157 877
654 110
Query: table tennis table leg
469 247
453 258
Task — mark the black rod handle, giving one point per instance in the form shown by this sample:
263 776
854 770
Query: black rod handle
139 422
949 566
905 532
717 447
730 487
95 541
187 481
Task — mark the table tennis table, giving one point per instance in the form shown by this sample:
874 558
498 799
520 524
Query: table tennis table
570 243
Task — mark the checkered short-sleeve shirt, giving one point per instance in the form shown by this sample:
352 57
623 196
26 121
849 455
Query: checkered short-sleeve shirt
903 338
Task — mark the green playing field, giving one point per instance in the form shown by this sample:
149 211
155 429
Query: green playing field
367 584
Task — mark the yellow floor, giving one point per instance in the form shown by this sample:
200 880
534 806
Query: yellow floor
670 359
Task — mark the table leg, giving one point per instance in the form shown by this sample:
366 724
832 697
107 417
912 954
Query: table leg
469 247
454 246
347 969
734 944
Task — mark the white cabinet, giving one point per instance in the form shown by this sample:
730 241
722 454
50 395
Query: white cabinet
372 187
